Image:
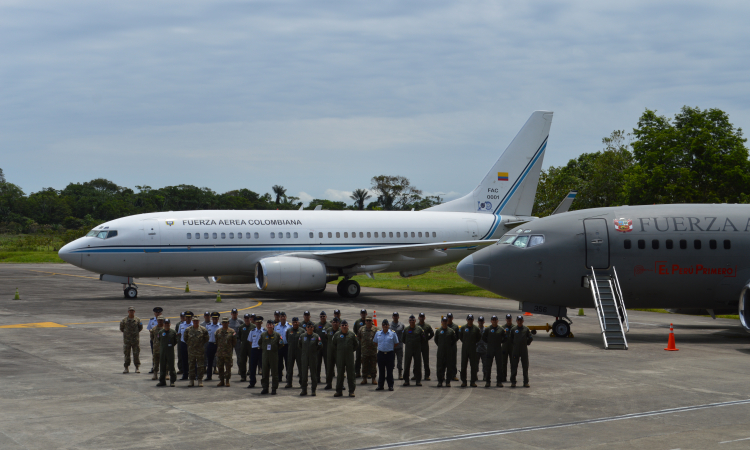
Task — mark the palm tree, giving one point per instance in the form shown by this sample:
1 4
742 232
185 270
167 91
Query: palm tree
280 192
359 196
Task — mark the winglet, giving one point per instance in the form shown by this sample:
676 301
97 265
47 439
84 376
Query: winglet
564 206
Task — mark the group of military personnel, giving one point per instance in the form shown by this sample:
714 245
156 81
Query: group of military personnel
364 350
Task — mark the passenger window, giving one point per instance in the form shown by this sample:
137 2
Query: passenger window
281 235
288 235
362 234
354 234
223 235
697 244
521 241
390 234
338 235
434 234
190 235
536 240
231 235
368 234
320 234
376 234
398 234
273 235
311 235
670 244
419 234
412 234
295 235
197 235
406 234
683 244
641 244
214 235
330 235
346 234
111 234
712 244
508 239
727 244
257 236
655 244
239 235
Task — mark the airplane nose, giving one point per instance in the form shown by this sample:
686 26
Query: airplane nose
465 269
66 254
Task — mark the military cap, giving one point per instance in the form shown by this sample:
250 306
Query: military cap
207 313
337 311
215 314
509 316
306 313
283 313
519 318
443 319
481 318
196 318
234 310
225 319
470 317
159 318
412 317
368 318
276 313
395 313
336 320
493 317
158 309
182 314
269 321
189 313
310 324
385 322
130 308
449 315
363 311
344 322
295 319
258 318
252 314
167 321
247 316
323 313
421 314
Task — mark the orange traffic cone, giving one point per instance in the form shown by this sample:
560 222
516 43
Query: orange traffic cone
374 318
527 314
670 345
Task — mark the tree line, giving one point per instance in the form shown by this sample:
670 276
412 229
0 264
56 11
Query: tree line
696 157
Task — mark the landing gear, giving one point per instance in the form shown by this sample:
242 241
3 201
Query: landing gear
348 288
130 291
561 328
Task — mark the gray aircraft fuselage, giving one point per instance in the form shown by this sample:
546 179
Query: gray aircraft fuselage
665 256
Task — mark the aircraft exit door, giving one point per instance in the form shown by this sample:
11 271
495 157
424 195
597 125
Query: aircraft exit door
597 243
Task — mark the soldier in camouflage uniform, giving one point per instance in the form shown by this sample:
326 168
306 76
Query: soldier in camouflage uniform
226 339
269 343
369 351
167 342
196 338
236 323
130 327
155 333
331 355
357 325
344 343
309 350
245 346
293 356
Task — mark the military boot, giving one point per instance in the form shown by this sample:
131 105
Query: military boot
328 387
364 380
200 382
418 383
137 369
464 384
512 384
171 384
288 386
221 384
406 383
499 384
488 383
153 377
313 393
227 383
526 385
427 378
473 384
160 384
192 383
264 391
243 379
400 374
303 393
448 383
440 384
126 370
373 381
273 391
351 394
455 378
338 394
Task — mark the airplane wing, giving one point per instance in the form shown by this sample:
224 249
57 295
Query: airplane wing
564 206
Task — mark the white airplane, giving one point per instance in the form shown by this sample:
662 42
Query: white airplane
303 250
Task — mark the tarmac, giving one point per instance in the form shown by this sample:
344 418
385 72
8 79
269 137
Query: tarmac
62 386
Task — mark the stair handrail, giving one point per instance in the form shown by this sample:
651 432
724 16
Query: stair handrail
611 281
598 304
621 300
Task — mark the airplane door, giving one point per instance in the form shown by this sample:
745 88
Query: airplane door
151 243
597 243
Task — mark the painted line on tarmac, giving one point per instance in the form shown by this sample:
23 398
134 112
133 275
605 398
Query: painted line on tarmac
736 440
34 325
461 437
117 321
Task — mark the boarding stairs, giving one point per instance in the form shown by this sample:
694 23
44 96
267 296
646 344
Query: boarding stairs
610 308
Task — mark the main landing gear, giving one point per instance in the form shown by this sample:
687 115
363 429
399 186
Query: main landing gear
130 291
348 288
561 328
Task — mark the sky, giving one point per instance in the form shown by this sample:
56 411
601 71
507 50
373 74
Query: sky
320 96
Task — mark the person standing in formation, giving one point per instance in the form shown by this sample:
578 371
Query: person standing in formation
155 333
151 325
226 339
167 342
309 349
481 346
445 339
130 327
429 333
321 329
369 350
330 354
236 323
281 327
195 339
345 344
294 357
493 337
398 328
387 341
454 350
245 346
520 339
256 354
270 341
357 325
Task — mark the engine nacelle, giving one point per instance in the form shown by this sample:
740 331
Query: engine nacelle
744 303
288 273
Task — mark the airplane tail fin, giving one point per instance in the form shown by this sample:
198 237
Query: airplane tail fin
510 186
564 205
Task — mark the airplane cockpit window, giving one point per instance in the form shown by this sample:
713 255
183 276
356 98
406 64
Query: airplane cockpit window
507 239
111 234
92 233
102 235
536 240
521 241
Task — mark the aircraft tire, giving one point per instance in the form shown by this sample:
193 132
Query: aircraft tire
131 292
340 287
561 328
351 289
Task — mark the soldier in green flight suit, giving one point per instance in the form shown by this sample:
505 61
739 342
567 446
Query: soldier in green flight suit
413 336
155 333
331 355
269 343
429 333
305 320
293 356
167 342
309 348
357 325
469 335
494 336
445 339
454 350
344 345
520 338
507 348
245 346
321 329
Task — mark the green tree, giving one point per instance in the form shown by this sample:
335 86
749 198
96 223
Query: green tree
326 204
394 192
280 193
699 157
360 196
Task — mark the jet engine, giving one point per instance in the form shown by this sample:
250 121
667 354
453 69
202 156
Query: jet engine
233 279
744 301
289 273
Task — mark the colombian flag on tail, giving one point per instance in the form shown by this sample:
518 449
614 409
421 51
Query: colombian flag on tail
502 176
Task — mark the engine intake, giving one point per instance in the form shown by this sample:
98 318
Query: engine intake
288 273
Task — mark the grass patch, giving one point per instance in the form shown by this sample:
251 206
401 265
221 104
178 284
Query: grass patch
439 280
29 257
662 311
